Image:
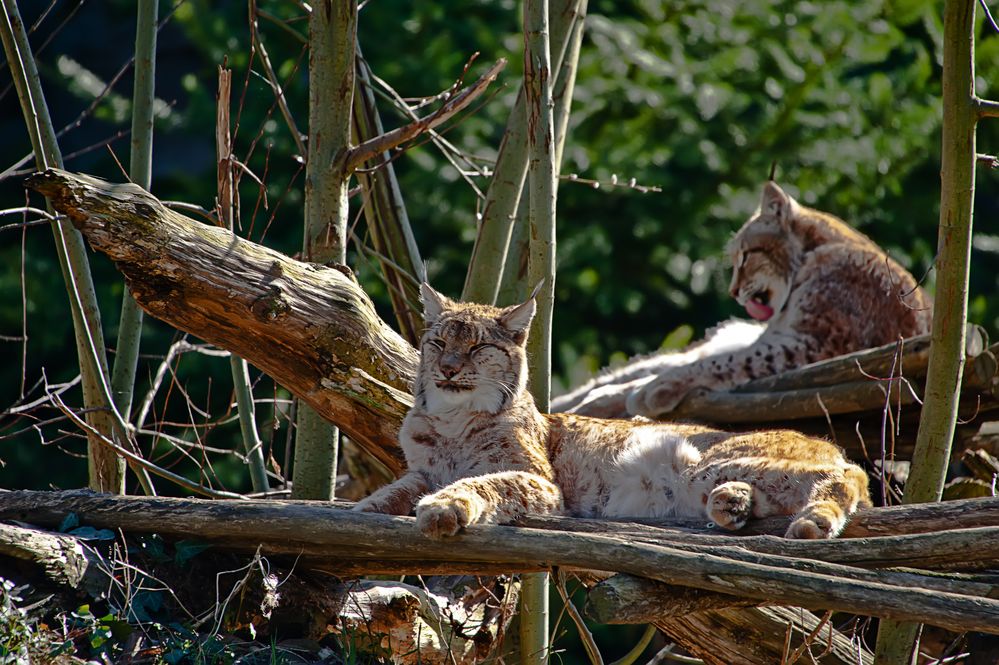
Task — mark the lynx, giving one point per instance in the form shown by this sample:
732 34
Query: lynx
819 289
479 451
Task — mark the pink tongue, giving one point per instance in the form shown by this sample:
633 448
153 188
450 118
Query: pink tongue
758 310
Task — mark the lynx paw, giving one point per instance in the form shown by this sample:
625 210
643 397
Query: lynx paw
369 505
812 524
659 396
439 517
731 504
603 402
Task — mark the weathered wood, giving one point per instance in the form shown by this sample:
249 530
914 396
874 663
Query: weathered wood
746 636
310 327
63 559
680 612
837 398
359 535
629 599
406 624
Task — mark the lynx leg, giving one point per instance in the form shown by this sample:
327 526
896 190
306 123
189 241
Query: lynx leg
731 504
498 498
831 504
397 498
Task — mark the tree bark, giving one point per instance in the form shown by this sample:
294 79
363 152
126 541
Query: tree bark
311 328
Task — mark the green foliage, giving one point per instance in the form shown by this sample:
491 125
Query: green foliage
15 631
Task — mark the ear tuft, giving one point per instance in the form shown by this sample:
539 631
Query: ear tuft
434 303
517 319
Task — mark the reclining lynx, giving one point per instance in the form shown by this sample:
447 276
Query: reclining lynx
479 451
823 289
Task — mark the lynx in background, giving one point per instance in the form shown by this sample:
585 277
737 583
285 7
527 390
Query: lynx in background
822 288
479 451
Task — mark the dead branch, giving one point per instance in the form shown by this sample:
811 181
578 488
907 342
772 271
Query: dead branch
455 103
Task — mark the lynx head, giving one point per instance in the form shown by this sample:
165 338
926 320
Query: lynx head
765 255
471 355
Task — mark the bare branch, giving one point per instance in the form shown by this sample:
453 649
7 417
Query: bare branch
357 155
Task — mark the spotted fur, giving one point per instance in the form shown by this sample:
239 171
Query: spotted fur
478 451
820 287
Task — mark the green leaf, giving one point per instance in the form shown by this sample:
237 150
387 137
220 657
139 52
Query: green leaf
71 521
143 605
90 533
185 550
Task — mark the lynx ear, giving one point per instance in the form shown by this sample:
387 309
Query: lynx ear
517 319
776 203
433 303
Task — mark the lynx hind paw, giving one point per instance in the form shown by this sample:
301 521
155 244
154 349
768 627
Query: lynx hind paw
731 504
817 522
656 397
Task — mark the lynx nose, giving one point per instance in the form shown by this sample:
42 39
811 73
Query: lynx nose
450 365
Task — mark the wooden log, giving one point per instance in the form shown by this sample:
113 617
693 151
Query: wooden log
459 625
907 359
310 327
680 612
746 637
63 559
383 536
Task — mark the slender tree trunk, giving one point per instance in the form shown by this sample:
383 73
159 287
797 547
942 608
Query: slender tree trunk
542 182
332 39
140 169
105 469
897 641
486 265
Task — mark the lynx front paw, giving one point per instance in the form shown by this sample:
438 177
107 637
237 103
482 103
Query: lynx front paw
370 505
659 396
730 505
440 517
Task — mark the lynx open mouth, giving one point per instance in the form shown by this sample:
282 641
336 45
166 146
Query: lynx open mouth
758 308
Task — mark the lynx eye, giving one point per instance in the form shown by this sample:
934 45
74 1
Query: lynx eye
480 347
436 343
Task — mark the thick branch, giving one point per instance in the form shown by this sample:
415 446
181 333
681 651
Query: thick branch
376 146
357 535
311 328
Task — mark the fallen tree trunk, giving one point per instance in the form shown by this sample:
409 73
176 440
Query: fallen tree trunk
348 534
454 624
310 327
